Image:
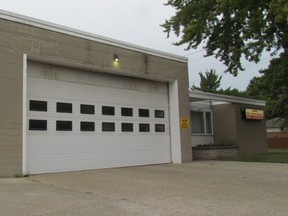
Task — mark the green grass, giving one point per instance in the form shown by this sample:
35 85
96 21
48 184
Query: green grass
272 156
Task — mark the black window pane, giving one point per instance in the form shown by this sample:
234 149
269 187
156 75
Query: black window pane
38 106
108 110
159 114
87 109
127 127
64 125
159 128
87 126
38 125
143 112
108 126
144 127
64 107
126 111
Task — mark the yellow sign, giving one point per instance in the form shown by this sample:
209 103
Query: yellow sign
184 123
254 114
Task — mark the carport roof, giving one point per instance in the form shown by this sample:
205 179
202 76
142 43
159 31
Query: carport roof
200 96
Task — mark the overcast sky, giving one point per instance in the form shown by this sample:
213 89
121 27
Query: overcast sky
133 21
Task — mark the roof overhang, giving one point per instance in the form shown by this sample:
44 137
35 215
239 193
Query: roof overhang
201 96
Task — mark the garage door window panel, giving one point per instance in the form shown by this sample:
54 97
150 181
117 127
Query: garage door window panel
87 109
64 125
108 127
127 127
40 106
126 111
159 127
64 107
144 113
37 125
108 110
87 126
144 127
159 114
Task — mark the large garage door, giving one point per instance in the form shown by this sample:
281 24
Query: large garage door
79 120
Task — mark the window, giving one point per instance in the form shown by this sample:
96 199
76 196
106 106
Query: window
108 126
87 109
64 125
144 127
38 106
127 127
197 122
201 122
87 126
208 118
64 107
143 113
159 113
38 125
126 111
108 110
159 128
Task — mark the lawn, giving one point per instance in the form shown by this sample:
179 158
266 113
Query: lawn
272 156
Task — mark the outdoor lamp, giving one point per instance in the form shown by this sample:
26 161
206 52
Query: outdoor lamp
116 57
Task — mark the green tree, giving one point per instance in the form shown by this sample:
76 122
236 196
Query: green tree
272 87
231 29
209 82
233 92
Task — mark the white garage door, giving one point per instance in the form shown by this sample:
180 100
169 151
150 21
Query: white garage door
80 120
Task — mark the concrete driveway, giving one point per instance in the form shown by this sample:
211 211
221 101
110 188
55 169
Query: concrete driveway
198 188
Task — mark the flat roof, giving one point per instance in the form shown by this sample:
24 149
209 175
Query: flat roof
86 35
199 96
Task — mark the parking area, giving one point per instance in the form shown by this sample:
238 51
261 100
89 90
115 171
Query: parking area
198 188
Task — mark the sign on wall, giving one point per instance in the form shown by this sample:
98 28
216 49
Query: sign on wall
252 114
184 123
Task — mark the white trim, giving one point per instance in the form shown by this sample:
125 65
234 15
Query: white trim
175 134
198 96
86 35
24 116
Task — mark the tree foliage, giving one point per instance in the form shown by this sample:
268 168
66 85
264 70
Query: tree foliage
272 87
231 29
233 92
209 82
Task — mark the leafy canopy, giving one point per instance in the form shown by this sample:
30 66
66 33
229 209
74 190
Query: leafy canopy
272 87
231 29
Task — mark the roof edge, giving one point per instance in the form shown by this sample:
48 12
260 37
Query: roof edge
86 35
224 98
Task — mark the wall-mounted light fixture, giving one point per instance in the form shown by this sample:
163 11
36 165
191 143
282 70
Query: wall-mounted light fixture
116 57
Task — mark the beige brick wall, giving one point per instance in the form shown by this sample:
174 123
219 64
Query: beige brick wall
17 39
10 113
229 127
224 120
